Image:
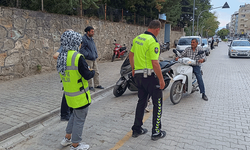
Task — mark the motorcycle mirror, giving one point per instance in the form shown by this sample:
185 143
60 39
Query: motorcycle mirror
174 51
115 40
202 44
124 44
200 52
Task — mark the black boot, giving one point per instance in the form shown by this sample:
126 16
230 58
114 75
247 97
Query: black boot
204 97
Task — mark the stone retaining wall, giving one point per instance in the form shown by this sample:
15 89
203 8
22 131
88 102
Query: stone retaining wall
28 39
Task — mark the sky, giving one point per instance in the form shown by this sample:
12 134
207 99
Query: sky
224 15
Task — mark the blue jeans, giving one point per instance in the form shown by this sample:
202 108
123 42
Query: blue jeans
197 72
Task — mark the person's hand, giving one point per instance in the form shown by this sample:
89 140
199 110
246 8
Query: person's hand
162 84
201 60
176 59
133 72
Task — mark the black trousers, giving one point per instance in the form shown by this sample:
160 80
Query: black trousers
147 88
65 109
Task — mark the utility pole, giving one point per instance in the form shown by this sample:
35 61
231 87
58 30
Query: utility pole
42 4
193 18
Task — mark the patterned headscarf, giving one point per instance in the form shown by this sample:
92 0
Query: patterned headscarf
70 40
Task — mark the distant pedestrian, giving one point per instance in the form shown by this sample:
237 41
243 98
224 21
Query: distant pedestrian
147 74
88 49
212 44
65 110
74 74
217 40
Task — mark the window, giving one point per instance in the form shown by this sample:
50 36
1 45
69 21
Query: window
187 41
241 43
243 15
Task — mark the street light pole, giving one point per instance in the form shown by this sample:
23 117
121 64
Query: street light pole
224 6
193 18
198 20
202 31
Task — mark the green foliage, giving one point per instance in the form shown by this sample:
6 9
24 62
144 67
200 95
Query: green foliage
172 9
39 67
90 4
147 8
225 40
67 7
222 33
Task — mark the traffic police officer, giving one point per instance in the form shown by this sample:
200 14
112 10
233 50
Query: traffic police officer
146 70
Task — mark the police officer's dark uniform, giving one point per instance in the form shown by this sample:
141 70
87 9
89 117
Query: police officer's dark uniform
146 48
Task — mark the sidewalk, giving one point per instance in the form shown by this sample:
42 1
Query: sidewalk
26 102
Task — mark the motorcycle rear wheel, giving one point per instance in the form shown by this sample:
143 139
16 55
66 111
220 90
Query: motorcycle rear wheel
113 58
119 90
175 92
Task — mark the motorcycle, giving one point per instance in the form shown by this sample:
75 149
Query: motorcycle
185 81
119 51
164 47
127 80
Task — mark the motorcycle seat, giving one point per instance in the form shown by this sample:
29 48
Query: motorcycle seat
122 48
164 63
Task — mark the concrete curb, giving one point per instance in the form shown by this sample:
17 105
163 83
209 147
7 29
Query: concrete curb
30 123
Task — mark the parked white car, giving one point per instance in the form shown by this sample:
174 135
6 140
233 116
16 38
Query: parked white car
206 46
185 42
239 48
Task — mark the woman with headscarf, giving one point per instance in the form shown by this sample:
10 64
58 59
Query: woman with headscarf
74 74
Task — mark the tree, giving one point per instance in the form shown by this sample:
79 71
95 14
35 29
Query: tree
172 9
90 4
187 11
222 33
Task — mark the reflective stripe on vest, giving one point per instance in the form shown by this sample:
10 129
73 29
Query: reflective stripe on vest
77 93
72 67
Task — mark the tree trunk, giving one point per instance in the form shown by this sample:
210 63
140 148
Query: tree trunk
80 1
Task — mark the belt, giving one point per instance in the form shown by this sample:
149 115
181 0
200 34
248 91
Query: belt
142 71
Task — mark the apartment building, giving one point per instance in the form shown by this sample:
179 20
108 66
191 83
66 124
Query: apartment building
228 26
244 20
234 24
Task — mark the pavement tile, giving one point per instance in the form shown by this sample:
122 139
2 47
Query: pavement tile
221 123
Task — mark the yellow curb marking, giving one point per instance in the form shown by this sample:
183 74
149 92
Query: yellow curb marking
120 143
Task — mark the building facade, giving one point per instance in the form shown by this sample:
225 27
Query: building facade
228 26
244 20
234 24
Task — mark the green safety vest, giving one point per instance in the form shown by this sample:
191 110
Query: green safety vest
145 49
76 88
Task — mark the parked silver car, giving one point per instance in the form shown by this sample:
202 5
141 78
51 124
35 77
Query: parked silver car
239 48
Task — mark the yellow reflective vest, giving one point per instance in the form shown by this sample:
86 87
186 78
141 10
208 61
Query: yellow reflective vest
76 88
145 49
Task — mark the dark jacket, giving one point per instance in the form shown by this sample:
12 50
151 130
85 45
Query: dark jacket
84 70
88 48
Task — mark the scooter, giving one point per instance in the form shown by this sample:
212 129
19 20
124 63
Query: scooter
127 80
119 51
185 81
